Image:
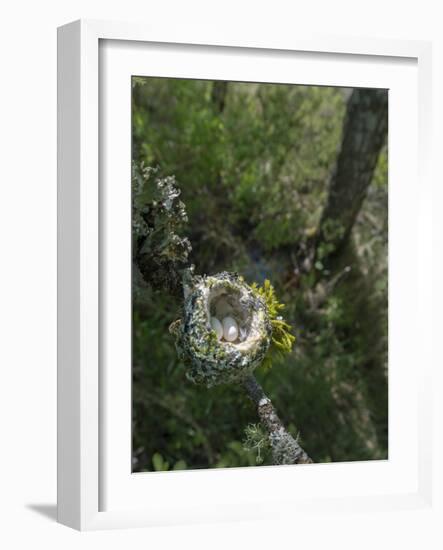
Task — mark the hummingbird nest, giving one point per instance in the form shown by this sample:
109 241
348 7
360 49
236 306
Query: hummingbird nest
213 303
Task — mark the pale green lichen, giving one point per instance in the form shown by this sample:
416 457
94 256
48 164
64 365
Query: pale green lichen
160 250
256 441
208 360
285 448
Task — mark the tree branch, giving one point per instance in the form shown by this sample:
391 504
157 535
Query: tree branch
285 449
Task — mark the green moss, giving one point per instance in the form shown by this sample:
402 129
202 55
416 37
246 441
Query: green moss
282 339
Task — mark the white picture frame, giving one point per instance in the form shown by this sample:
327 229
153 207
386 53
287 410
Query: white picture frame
96 489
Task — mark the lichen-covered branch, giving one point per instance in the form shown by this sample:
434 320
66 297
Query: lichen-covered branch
285 449
160 249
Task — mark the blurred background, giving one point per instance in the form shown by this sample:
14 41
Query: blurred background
287 183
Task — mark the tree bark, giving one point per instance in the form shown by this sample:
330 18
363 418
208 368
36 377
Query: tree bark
364 134
285 449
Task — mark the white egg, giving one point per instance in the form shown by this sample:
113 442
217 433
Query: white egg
230 329
217 327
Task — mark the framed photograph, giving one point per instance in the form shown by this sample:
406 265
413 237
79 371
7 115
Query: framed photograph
243 276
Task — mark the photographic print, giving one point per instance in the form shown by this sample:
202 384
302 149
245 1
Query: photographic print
260 274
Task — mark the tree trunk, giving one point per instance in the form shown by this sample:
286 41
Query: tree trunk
364 134
218 95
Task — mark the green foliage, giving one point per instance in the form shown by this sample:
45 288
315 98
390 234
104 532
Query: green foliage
282 339
263 160
162 465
